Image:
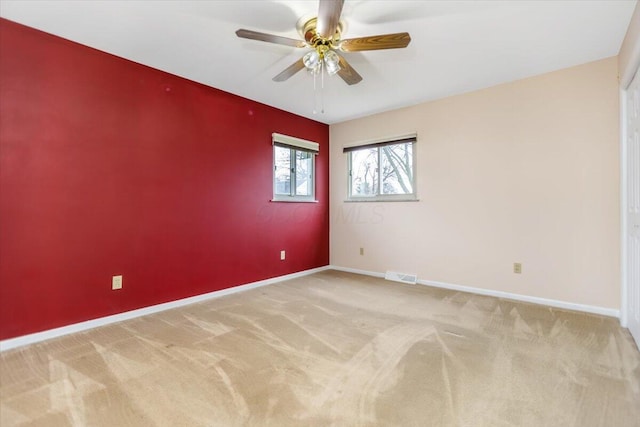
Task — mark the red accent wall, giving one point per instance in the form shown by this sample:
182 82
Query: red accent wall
109 167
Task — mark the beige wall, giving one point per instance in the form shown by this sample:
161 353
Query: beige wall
522 172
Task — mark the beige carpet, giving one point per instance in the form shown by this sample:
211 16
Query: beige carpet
333 349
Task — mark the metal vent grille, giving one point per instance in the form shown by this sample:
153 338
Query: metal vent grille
401 277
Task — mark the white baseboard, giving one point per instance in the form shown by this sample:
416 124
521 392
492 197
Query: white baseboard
356 271
500 294
107 320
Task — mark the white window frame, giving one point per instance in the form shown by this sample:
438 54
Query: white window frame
294 145
379 143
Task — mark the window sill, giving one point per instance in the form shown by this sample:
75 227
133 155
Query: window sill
293 200
373 200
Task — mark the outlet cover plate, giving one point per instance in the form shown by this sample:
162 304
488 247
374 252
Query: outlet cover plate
116 282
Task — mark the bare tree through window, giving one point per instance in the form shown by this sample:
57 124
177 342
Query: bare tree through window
382 170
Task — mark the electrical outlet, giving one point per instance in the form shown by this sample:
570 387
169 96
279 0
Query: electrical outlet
283 255
517 268
361 251
116 282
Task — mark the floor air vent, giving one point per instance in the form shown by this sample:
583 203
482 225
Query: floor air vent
401 277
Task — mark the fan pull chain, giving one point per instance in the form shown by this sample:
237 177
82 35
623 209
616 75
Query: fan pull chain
318 96
315 94
322 87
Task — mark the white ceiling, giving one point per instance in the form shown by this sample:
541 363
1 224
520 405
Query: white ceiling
456 47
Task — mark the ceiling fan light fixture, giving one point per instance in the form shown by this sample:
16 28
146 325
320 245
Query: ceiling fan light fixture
311 60
315 71
332 62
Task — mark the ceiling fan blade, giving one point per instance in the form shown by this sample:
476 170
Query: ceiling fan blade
348 74
289 71
383 41
328 17
254 35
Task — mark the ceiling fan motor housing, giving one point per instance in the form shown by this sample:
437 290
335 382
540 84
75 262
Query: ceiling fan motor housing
309 32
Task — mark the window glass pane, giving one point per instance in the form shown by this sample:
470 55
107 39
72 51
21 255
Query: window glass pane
282 170
304 173
396 169
364 172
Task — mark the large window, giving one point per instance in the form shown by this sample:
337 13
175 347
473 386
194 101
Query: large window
293 169
382 170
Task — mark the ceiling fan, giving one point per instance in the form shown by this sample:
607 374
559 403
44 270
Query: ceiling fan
322 35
